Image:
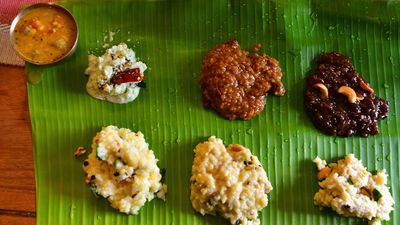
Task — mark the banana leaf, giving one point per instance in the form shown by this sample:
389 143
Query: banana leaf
172 37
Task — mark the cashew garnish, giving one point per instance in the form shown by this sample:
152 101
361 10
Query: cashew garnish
350 93
79 151
87 179
366 87
322 88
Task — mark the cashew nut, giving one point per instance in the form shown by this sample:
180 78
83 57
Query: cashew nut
366 87
87 179
322 88
80 151
235 148
350 93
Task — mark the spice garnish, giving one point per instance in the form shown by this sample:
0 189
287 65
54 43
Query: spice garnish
130 75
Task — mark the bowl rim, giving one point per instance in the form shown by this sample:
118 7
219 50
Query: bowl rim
28 8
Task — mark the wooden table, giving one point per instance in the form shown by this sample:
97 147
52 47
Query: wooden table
17 182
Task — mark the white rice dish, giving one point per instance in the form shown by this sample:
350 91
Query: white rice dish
350 190
102 69
123 169
228 181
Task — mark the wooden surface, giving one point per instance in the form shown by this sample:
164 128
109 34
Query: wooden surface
17 182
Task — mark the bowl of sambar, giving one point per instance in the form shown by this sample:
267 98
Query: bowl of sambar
44 33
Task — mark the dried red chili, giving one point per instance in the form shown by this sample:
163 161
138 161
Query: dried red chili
130 75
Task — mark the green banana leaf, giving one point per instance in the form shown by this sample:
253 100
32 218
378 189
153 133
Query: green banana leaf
378 11
172 37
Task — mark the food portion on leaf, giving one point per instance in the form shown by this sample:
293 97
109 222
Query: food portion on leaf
228 181
123 169
115 76
236 83
339 101
350 190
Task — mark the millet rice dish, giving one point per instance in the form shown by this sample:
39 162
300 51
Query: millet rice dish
350 190
115 76
123 169
228 181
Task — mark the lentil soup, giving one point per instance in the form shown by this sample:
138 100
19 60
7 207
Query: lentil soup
45 34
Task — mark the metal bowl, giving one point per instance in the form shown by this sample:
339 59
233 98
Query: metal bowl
46 5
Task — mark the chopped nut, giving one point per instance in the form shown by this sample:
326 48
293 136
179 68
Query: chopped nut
324 173
379 180
87 179
366 192
323 89
366 87
79 151
256 47
350 93
235 148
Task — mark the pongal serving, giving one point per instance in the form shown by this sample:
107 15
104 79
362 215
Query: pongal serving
228 181
122 169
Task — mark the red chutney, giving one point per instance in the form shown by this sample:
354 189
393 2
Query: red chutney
45 34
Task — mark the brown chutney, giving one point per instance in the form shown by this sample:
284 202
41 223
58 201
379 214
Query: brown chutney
235 83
